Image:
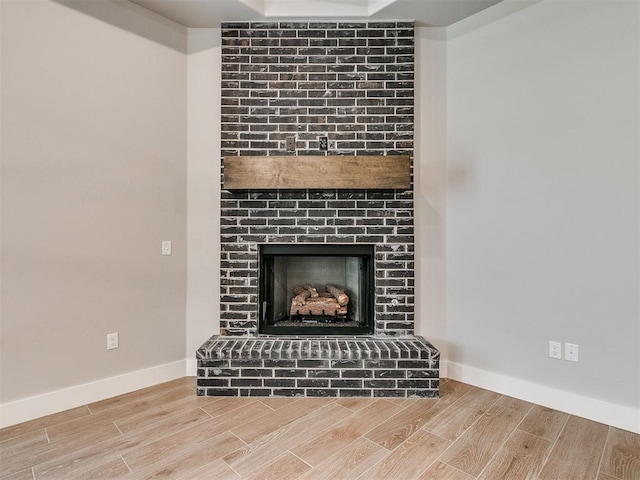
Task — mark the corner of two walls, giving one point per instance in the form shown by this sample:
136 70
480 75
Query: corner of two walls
430 184
203 189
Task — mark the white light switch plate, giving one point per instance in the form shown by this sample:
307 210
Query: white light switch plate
166 247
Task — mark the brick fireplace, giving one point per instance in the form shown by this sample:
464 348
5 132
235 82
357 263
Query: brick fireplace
352 83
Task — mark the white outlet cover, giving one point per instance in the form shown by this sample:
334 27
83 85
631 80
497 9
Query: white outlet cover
571 352
112 341
555 349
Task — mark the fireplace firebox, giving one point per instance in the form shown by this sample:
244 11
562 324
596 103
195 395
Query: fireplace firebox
313 289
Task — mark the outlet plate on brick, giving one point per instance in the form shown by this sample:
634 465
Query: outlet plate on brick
290 144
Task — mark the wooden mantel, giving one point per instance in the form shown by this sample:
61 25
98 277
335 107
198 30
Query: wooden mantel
317 172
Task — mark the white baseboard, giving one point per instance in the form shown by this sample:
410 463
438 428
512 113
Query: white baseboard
619 416
37 406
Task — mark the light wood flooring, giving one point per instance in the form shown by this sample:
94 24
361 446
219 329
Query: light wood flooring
168 432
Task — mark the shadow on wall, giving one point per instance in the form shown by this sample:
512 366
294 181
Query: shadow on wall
461 174
136 20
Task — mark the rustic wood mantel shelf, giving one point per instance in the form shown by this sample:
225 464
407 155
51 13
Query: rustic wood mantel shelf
317 172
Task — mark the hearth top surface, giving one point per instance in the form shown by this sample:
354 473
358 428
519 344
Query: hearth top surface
347 347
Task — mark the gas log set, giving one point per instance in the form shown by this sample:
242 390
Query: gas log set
309 305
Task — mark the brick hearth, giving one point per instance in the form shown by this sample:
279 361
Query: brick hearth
313 367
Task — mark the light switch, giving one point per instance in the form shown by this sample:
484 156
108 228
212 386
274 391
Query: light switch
166 247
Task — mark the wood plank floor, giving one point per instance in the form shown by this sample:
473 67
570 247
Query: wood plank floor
168 432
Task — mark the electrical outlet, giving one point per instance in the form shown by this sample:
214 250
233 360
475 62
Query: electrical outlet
571 351
555 349
323 143
112 340
290 144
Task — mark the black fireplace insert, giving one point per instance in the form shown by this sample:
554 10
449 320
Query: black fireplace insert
316 289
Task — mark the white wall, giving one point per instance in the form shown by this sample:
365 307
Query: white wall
430 184
203 189
542 199
93 179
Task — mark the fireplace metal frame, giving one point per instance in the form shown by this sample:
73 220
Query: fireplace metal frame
267 253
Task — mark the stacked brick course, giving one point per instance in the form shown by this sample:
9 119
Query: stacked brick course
352 82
